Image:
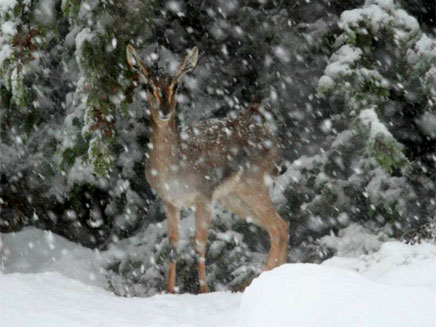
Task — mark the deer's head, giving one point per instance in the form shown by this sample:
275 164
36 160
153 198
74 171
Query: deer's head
162 89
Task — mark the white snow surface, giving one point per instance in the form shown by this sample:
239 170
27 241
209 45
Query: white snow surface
47 281
313 295
33 251
52 300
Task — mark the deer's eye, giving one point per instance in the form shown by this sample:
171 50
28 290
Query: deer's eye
175 87
149 88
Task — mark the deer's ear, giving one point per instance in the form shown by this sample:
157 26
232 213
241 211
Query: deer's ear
188 64
136 63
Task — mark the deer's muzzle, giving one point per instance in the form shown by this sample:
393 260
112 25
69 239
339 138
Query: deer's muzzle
164 112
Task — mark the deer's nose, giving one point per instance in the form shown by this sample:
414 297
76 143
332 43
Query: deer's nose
164 112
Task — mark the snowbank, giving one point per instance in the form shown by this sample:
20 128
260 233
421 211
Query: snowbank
312 295
395 264
34 251
52 300
50 281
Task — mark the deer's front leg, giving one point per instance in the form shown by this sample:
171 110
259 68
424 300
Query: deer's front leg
173 215
203 210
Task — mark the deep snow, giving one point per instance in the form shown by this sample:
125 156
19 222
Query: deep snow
48 281
53 300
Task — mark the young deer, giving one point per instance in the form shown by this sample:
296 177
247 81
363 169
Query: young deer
229 161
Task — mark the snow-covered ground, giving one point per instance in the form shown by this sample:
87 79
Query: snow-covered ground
51 299
48 281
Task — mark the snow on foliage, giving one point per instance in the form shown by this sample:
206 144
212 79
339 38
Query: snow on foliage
375 20
353 241
377 15
362 73
7 5
381 143
376 128
85 35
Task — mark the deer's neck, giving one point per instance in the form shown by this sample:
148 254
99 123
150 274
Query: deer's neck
163 152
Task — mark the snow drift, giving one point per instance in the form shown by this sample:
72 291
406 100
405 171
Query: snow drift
49 281
313 295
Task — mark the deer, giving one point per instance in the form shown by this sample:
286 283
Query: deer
229 162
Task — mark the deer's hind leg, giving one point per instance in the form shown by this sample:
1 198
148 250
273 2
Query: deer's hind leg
257 201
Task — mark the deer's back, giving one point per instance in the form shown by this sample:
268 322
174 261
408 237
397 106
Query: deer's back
216 152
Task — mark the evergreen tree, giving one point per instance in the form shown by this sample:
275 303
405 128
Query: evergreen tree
378 95
65 89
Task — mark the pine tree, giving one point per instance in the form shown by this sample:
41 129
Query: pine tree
65 123
30 106
367 174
